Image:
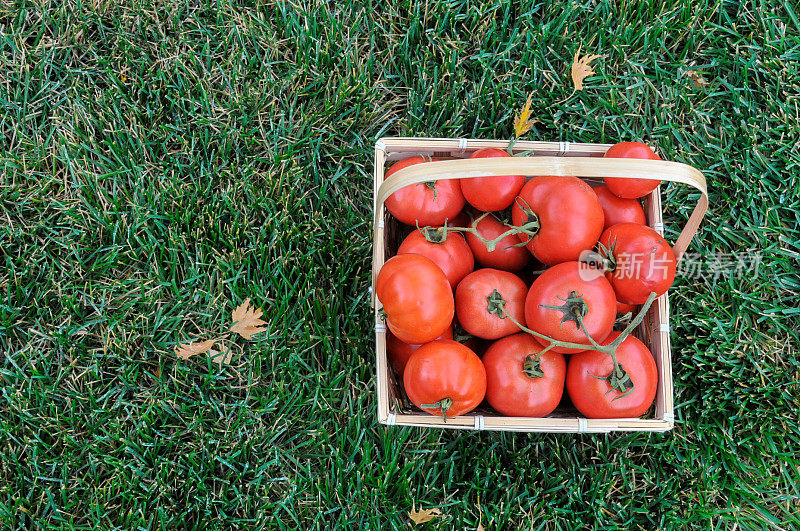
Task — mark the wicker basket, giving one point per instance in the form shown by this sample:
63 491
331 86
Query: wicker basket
548 158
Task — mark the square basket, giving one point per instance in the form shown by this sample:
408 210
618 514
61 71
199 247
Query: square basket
395 408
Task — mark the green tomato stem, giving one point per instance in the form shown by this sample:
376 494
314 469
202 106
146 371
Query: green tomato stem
529 228
444 405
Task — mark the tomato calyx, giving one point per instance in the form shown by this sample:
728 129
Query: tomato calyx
603 259
461 335
496 304
574 309
530 227
444 404
435 234
619 379
532 366
432 186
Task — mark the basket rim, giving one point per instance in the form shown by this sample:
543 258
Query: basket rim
386 149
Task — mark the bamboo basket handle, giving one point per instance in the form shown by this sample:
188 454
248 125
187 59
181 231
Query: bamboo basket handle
564 166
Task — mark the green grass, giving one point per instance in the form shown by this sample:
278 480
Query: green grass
162 161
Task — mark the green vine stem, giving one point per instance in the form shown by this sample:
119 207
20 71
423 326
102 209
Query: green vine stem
510 149
511 144
554 342
444 405
618 379
623 320
530 228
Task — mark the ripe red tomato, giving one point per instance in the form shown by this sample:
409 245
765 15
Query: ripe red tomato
641 261
505 255
491 193
445 378
450 252
484 297
553 304
519 381
594 397
569 215
429 203
400 352
416 297
617 209
631 188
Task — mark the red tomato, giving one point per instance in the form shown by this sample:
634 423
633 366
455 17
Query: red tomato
400 352
623 308
429 203
484 296
569 215
505 255
641 262
552 305
519 381
594 397
416 297
450 252
445 378
617 209
491 193
631 188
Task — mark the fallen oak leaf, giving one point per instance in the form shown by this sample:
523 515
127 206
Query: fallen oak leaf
581 68
187 350
221 357
247 320
697 78
522 121
423 515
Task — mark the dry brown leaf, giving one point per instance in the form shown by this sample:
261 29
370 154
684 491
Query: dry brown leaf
697 78
423 515
222 356
247 321
522 121
187 350
581 68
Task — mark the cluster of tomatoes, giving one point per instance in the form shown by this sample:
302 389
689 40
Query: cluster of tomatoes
535 272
